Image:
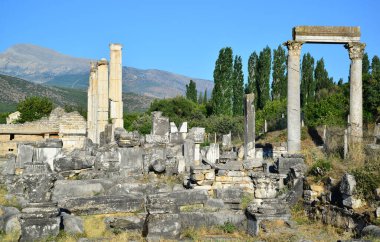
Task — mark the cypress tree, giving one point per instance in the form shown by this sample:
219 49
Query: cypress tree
321 76
222 92
238 87
279 82
252 75
205 97
191 91
263 74
307 79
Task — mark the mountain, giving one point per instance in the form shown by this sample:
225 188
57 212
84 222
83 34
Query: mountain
41 65
13 90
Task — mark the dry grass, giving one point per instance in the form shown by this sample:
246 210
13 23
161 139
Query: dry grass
213 233
12 237
94 227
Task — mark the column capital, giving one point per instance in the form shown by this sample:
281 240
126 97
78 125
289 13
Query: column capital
294 47
355 50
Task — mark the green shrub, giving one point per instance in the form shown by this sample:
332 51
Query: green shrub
320 168
367 179
143 124
228 227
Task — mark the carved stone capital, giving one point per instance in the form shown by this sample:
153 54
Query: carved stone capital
355 50
294 47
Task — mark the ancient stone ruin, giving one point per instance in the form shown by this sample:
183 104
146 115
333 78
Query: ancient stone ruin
165 182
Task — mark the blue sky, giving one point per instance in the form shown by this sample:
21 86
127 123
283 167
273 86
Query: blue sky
183 36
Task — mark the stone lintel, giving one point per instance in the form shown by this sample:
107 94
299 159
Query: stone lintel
326 34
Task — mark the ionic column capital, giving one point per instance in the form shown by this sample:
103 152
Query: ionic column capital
355 50
294 47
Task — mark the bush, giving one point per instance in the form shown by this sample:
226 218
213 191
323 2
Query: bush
272 112
143 124
34 108
228 227
320 168
3 118
332 110
367 179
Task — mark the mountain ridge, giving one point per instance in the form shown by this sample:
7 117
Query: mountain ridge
46 66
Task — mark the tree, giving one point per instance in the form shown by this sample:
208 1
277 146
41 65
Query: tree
263 74
279 82
307 79
321 76
191 91
371 91
34 108
252 75
222 93
200 98
238 87
205 97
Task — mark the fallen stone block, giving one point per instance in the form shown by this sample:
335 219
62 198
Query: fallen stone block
72 224
76 188
103 204
165 226
127 223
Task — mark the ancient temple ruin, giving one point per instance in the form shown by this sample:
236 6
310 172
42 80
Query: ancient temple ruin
350 37
104 100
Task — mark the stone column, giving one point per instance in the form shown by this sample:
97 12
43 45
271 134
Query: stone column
115 88
90 103
249 126
102 97
294 96
355 51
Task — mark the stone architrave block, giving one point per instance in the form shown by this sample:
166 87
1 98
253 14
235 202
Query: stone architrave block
160 124
284 163
173 128
183 128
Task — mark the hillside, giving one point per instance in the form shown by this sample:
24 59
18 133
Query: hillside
41 65
13 89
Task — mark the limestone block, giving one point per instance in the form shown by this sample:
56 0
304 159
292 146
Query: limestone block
199 220
183 128
377 212
163 225
24 155
348 184
197 177
352 201
46 155
197 134
230 195
226 142
158 139
103 204
131 158
205 187
133 222
236 173
223 179
160 124
173 128
76 188
72 224
212 154
259 153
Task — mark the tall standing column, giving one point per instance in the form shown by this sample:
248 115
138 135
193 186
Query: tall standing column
355 51
102 97
90 103
115 88
249 127
294 96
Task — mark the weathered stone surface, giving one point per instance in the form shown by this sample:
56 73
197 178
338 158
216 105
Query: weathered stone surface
131 159
351 201
265 187
76 188
9 166
34 229
108 161
158 165
38 187
9 221
249 126
156 139
214 203
348 184
183 128
226 142
377 212
24 155
196 134
129 223
73 162
231 195
163 226
103 204
72 224
371 230
127 139
46 155
284 163
12 225
208 219
170 202
327 34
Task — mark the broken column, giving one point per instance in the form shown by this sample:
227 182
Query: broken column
355 51
102 98
294 104
115 86
249 127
